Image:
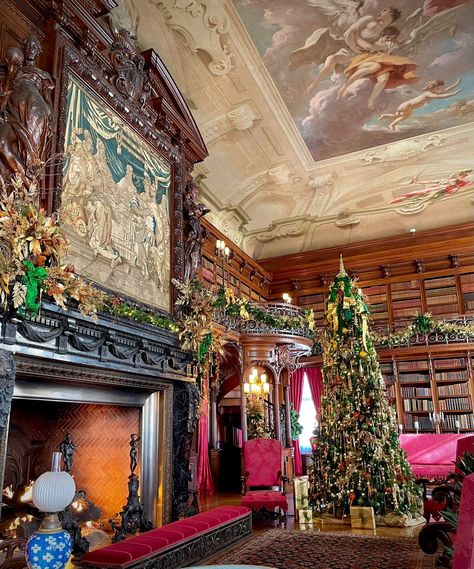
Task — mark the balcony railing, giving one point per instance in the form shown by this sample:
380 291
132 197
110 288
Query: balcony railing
257 328
429 338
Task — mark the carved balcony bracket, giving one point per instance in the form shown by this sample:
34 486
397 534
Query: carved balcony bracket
386 271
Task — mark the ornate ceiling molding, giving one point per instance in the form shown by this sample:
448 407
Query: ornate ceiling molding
403 150
240 118
201 25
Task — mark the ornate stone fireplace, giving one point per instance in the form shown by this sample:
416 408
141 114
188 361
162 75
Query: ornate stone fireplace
101 381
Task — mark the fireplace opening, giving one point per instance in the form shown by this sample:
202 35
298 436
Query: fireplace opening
100 415
100 464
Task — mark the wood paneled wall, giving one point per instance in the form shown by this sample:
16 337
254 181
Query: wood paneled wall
432 272
243 274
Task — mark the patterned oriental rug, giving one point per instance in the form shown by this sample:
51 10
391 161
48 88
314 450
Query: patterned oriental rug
288 549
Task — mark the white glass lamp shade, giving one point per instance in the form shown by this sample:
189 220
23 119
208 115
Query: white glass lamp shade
53 491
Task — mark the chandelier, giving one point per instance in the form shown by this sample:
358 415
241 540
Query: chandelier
256 384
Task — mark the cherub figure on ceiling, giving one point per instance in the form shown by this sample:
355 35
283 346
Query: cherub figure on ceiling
433 90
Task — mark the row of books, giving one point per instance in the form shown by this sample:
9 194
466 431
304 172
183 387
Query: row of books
399 304
416 392
442 300
391 391
469 304
449 362
440 281
404 312
417 365
454 389
405 285
423 421
451 376
455 404
445 291
446 309
405 294
411 377
464 421
419 404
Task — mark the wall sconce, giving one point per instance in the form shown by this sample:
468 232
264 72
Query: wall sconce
222 251
256 384
286 298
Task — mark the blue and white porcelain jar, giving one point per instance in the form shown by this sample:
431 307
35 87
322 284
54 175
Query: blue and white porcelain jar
50 546
48 549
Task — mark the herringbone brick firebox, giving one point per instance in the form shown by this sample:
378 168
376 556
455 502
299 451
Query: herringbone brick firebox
101 434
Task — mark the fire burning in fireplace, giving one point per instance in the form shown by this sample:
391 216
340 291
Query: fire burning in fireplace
17 522
28 495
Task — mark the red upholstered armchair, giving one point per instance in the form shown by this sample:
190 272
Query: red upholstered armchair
262 467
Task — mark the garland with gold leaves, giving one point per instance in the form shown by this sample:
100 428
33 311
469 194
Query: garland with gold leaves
31 248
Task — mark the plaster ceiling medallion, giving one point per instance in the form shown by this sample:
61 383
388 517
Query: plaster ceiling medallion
201 24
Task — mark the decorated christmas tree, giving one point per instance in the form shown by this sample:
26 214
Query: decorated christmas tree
357 459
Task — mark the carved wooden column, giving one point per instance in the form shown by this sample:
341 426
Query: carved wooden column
7 382
243 410
276 408
213 415
286 399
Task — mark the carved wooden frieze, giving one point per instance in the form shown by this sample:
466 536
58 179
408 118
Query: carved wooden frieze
118 344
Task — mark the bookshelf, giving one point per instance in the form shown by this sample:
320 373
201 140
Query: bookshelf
467 292
422 384
378 303
406 299
441 295
240 273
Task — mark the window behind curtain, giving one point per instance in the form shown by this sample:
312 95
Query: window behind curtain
307 418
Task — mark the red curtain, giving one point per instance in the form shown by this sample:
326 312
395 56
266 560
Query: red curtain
296 395
204 476
315 379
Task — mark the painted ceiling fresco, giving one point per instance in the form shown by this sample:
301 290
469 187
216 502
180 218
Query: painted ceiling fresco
356 74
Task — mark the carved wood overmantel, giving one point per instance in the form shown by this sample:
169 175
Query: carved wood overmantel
79 41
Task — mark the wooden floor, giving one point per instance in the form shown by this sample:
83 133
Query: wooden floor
208 502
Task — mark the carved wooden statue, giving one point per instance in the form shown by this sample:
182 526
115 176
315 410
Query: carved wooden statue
25 111
193 231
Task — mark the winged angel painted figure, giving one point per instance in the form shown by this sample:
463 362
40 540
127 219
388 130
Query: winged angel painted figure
360 73
370 46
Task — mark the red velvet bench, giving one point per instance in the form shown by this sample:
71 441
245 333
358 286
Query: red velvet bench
179 544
